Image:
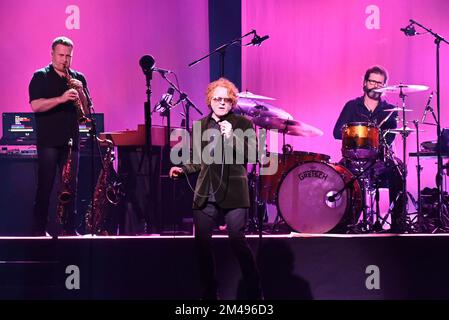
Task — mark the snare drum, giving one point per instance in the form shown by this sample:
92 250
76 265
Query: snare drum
270 183
305 198
360 140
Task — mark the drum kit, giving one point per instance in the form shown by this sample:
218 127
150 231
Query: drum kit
313 195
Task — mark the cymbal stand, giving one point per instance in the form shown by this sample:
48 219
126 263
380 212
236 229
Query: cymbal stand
419 168
258 207
404 133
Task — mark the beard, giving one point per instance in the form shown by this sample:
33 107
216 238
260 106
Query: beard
371 93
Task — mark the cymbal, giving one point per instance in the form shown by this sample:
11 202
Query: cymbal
260 109
287 126
401 130
398 109
404 88
250 95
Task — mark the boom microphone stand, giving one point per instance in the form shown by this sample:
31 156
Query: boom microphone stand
439 178
256 41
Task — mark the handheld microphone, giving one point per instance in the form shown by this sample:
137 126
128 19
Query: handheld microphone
166 101
427 108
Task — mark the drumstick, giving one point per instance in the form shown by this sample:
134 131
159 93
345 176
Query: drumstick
386 118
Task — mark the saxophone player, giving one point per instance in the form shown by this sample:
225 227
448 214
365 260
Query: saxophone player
56 92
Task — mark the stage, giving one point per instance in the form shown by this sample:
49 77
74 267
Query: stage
293 267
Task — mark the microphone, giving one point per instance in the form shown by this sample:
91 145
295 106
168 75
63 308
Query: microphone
165 103
409 31
162 71
147 64
427 108
256 41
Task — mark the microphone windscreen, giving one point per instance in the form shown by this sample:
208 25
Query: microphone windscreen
147 62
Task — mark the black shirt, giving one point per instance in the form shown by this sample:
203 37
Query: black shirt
356 111
56 126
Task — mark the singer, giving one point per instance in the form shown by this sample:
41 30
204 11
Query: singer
52 98
371 108
222 191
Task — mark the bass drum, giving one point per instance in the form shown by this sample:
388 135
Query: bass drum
305 198
270 183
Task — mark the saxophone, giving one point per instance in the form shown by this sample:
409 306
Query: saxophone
107 191
78 105
66 193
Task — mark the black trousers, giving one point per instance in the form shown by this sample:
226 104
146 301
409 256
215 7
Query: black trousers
205 219
50 162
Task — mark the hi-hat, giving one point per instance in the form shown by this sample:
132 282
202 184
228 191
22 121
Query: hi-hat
404 88
290 127
398 109
250 95
260 109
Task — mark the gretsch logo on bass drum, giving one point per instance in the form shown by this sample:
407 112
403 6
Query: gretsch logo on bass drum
312 174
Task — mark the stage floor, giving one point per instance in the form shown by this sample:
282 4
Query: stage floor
293 266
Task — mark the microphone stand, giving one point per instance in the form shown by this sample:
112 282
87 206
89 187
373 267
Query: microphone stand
439 178
222 50
148 146
182 97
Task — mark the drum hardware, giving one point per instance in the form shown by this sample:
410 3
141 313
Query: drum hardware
364 175
402 89
423 224
419 168
257 212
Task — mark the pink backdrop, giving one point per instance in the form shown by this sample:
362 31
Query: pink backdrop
318 51
112 36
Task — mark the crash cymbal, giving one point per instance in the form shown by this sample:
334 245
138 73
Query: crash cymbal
401 130
404 88
287 126
398 109
254 108
250 95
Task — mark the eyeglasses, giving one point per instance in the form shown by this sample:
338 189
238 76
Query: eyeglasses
375 83
220 99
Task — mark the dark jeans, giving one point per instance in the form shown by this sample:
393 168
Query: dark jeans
51 161
205 220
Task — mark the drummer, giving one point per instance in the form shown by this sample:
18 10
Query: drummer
371 108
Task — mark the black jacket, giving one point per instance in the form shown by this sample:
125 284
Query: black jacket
232 190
